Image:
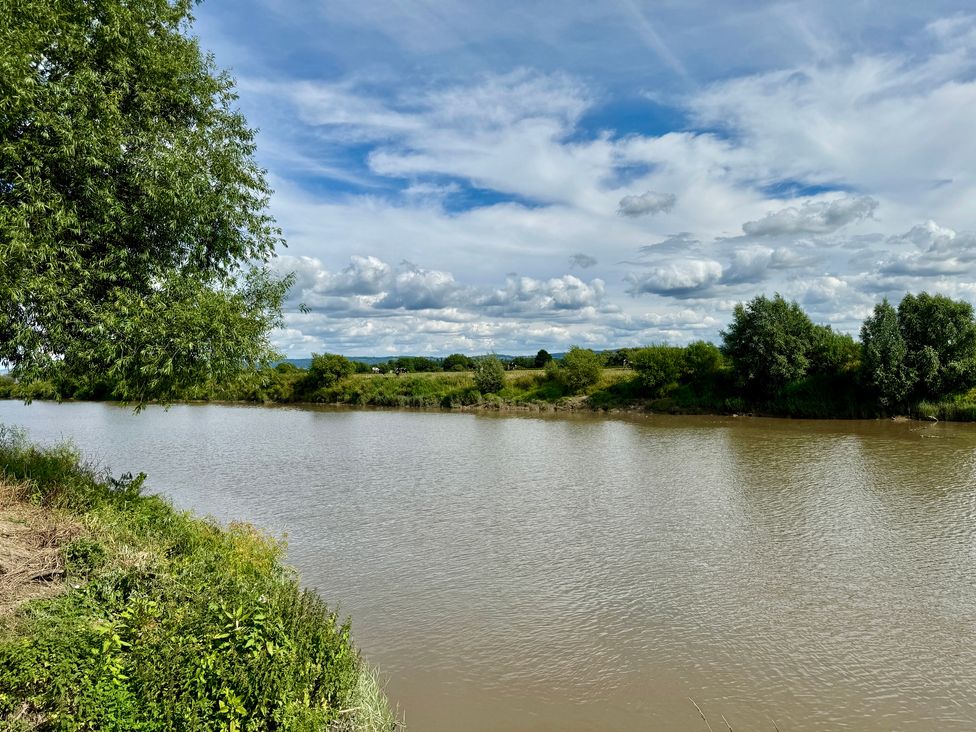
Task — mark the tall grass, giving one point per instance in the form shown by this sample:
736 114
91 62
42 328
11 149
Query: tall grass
169 622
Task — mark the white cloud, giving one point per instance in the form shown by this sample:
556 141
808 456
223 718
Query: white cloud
678 278
420 289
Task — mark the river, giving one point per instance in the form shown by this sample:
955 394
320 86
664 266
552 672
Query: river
580 572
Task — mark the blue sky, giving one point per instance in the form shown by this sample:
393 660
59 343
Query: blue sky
509 176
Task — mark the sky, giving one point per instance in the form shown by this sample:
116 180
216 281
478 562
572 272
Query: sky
504 176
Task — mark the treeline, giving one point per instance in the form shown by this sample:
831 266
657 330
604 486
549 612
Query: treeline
918 358
456 362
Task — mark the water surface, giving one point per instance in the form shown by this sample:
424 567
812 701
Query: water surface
588 573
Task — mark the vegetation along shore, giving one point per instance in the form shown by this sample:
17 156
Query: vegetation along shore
118 612
917 359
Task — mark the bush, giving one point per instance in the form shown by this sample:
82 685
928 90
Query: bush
579 369
325 370
489 375
658 368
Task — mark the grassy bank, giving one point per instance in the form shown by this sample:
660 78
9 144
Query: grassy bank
119 612
815 397
820 396
450 390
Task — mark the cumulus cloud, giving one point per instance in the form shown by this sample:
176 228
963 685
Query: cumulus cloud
749 265
678 278
419 289
543 298
939 251
753 264
645 204
583 261
371 287
363 276
823 217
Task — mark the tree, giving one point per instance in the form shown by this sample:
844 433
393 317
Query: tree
883 356
489 375
457 362
542 358
768 342
326 370
833 353
940 343
131 207
579 368
658 368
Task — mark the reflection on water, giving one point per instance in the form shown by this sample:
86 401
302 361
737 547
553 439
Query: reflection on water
584 573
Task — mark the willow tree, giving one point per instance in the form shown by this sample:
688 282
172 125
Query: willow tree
133 216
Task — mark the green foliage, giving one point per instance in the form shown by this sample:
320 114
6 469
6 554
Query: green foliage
580 368
659 368
131 206
617 359
822 396
883 361
703 363
769 343
833 353
940 342
176 623
411 390
489 375
325 370
458 362
541 359
83 556
416 364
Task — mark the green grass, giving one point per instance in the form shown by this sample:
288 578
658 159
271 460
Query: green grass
170 622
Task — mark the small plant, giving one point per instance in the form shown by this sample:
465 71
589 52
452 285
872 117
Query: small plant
82 556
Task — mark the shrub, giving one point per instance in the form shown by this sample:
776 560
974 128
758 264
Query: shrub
489 375
659 368
325 370
579 369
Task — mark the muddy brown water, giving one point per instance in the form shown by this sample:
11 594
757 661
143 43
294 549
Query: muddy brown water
589 573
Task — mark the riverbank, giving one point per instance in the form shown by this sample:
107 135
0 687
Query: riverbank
617 390
118 612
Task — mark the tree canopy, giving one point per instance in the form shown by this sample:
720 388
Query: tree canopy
769 342
940 341
132 211
883 359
